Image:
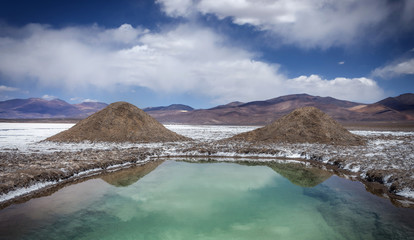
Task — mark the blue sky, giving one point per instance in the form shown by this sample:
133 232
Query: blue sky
205 52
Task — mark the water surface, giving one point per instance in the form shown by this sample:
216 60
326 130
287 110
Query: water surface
181 200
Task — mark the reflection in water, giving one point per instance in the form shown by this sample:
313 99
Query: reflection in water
350 207
301 175
298 173
179 200
126 177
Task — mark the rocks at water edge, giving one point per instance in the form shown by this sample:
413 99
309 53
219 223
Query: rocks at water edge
118 122
303 125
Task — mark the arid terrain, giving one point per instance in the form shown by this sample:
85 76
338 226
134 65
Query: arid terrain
37 156
386 161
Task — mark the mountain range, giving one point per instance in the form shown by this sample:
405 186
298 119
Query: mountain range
400 108
37 108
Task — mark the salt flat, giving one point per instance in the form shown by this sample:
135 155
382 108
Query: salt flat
387 158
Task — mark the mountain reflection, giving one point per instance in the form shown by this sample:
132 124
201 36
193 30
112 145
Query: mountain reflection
297 173
126 177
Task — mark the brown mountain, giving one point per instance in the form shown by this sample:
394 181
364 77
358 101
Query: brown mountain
118 122
40 108
400 108
263 112
392 109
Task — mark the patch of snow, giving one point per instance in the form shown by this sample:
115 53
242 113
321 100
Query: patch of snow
352 167
386 178
119 165
408 193
123 165
406 202
87 172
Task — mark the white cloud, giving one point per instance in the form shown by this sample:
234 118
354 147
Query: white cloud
49 97
78 99
308 23
405 67
7 89
177 8
357 89
90 100
341 63
186 59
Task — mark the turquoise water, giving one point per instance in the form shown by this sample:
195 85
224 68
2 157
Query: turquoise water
181 200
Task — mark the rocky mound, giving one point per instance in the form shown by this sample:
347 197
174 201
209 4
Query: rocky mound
303 125
118 122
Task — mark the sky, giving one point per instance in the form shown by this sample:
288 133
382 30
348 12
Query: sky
204 53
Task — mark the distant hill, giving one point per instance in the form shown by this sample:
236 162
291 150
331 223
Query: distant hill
402 103
36 108
263 112
232 104
172 107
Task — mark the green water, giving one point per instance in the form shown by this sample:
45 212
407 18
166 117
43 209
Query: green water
180 200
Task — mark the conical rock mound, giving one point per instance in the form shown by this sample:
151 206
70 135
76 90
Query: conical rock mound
303 125
118 122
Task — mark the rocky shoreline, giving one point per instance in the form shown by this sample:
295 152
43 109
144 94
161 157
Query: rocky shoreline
20 170
385 162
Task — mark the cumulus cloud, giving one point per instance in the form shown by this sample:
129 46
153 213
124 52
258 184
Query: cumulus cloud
186 59
404 67
4 88
307 23
342 88
69 57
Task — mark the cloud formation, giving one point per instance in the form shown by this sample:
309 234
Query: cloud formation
186 59
342 88
307 23
4 88
49 97
88 100
404 67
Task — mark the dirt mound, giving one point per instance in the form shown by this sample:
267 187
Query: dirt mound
118 122
303 125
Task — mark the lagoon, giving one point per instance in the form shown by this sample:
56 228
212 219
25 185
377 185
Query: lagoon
211 200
